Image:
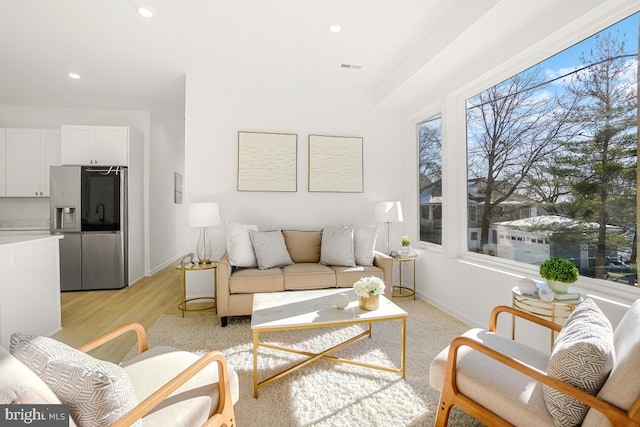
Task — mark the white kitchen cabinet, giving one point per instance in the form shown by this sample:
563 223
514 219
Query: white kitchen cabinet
49 156
2 163
29 154
95 145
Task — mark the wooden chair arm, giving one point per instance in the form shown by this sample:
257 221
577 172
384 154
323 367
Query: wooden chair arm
493 319
616 415
225 404
114 333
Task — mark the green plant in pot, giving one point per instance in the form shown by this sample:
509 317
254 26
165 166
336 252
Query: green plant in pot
559 272
406 244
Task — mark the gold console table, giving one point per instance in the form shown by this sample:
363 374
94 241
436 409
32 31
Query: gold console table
553 311
183 280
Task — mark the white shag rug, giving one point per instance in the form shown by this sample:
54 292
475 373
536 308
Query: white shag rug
325 393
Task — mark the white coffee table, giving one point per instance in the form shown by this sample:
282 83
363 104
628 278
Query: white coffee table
293 310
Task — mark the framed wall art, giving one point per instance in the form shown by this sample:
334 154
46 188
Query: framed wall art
335 164
267 161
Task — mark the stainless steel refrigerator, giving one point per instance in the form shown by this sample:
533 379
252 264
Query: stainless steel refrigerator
88 206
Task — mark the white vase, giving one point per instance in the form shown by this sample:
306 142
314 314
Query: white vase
342 301
558 286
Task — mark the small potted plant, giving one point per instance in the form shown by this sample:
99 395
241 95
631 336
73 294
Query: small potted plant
368 290
559 272
406 245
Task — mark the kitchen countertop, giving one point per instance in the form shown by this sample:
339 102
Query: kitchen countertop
13 240
25 224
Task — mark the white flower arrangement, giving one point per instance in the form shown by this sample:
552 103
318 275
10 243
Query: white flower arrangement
368 286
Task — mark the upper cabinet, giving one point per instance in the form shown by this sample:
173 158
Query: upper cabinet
95 145
29 154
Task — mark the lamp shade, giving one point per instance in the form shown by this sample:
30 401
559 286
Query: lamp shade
388 212
204 214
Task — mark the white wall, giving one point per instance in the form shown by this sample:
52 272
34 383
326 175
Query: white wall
138 122
166 219
218 106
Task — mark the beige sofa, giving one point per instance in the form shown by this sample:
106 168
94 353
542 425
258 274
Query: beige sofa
236 286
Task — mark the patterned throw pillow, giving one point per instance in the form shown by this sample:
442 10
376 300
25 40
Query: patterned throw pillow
98 393
364 242
583 355
239 245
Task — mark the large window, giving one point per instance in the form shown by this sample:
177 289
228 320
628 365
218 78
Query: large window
552 155
430 180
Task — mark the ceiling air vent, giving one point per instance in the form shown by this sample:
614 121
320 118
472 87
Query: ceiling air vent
350 66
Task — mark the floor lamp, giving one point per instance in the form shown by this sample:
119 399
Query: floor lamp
388 212
203 215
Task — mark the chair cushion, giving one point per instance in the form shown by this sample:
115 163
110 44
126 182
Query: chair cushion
583 356
239 245
618 389
337 246
193 402
518 398
303 246
270 249
97 392
364 242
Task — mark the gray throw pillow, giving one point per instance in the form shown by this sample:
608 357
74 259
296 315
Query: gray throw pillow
98 393
270 249
337 247
583 355
364 242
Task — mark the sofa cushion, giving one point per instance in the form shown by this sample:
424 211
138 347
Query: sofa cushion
193 402
97 392
519 400
583 356
303 246
618 389
364 242
347 276
252 280
239 245
308 276
337 246
270 249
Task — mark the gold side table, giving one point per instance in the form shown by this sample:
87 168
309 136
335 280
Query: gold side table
400 290
197 267
553 311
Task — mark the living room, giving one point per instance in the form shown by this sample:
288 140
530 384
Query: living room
223 90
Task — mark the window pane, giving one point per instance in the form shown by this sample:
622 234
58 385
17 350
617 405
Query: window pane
552 155
430 180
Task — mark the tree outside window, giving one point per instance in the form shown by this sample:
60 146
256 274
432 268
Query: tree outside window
552 155
430 179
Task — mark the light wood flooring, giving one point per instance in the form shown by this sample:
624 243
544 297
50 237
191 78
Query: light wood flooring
88 314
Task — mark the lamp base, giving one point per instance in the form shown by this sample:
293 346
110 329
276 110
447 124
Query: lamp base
205 262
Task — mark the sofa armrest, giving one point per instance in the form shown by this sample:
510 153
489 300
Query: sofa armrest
222 285
385 262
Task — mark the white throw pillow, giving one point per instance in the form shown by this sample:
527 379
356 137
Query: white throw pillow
98 392
270 249
364 242
583 355
337 246
239 245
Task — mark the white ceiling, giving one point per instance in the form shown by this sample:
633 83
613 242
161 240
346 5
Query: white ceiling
133 63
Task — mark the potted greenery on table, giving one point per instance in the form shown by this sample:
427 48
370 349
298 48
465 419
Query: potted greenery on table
406 245
559 272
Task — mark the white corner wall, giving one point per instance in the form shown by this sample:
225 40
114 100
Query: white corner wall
218 106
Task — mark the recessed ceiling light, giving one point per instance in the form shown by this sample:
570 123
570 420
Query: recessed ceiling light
74 75
145 11
334 28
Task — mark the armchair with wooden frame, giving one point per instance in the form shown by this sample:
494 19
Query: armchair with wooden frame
500 381
188 387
